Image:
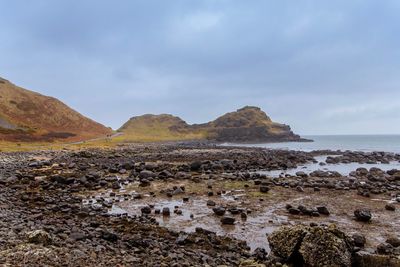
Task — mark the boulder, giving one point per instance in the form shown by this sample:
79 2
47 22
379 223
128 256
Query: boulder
311 246
323 247
285 241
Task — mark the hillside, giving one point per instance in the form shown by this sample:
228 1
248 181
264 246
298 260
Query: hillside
248 124
29 116
157 128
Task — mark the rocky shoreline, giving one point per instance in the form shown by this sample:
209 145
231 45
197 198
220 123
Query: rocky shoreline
55 207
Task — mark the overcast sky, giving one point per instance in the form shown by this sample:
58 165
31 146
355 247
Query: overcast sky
323 67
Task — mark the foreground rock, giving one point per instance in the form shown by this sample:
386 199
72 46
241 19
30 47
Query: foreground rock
311 246
315 246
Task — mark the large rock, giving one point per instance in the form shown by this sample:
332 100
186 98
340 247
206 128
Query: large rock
285 241
325 247
311 246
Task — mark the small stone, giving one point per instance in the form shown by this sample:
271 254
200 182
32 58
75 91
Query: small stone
220 211
166 211
108 236
210 203
77 236
300 189
228 220
264 189
144 183
323 210
390 207
359 240
363 215
146 210
182 239
179 212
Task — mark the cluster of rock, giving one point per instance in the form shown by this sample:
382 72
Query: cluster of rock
363 157
302 210
366 182
95 169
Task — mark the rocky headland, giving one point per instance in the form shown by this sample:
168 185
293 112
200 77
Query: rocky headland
246 125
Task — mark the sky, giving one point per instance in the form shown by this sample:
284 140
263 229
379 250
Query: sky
322 66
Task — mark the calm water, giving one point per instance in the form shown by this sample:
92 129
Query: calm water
367 143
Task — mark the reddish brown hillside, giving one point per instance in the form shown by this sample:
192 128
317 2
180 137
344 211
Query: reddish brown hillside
29 116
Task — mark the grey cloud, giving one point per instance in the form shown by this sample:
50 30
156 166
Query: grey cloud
199 59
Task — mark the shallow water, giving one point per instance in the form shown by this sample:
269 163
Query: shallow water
264 217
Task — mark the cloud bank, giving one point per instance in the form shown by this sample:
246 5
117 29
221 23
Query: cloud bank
323 67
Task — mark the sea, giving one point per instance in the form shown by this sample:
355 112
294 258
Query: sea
366 143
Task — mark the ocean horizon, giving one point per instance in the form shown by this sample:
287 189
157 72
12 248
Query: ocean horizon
365 143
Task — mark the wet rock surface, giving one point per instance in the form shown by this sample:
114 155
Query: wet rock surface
148 205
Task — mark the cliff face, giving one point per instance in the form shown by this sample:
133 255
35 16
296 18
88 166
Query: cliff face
246 125
29 116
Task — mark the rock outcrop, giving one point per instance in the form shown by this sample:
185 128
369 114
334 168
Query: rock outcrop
246 125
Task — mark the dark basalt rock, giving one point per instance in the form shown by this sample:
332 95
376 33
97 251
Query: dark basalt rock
146 210
359 240
108 236
220 211
363 215
228 220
